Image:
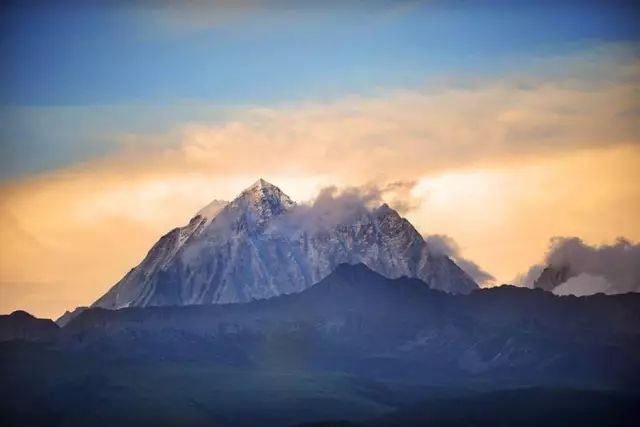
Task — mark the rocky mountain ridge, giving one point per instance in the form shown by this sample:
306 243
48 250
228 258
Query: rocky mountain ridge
248 250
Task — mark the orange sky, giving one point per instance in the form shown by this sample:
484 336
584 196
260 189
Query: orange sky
500 166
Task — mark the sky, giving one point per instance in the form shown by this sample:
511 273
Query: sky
516 122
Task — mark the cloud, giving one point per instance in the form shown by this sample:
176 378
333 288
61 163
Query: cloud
584 284
583 100
404 134
440 244
610 268
403 200
527 279
490 159
178 17
334 206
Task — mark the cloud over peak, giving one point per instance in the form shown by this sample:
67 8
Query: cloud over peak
609 268
334 206
440 244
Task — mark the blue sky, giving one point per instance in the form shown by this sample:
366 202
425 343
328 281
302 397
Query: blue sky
77 73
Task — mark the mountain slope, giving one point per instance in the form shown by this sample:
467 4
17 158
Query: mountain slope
253 249
354 346
360 322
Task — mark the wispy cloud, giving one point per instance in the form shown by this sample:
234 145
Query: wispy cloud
440 244
334 206
404 134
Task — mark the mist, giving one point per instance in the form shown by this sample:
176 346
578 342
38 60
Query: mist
443 245
333 206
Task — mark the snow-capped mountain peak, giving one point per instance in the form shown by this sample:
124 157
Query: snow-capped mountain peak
262 197
262 193
236 257
253 208
261 185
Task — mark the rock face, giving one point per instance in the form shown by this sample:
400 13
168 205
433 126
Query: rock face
249 250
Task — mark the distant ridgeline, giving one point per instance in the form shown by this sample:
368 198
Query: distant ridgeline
361 321
355 340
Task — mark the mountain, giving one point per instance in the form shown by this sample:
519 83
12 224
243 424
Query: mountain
356 346
358 321
21 325
253 248
347 290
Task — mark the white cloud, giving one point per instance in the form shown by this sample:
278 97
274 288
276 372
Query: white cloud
584 284
609 268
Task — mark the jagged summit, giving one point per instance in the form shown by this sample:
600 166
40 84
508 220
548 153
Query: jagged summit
233 255
261 189
262 194
260 185
252 209
258 193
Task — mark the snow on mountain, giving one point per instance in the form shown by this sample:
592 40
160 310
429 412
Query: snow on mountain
249 250
211 210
